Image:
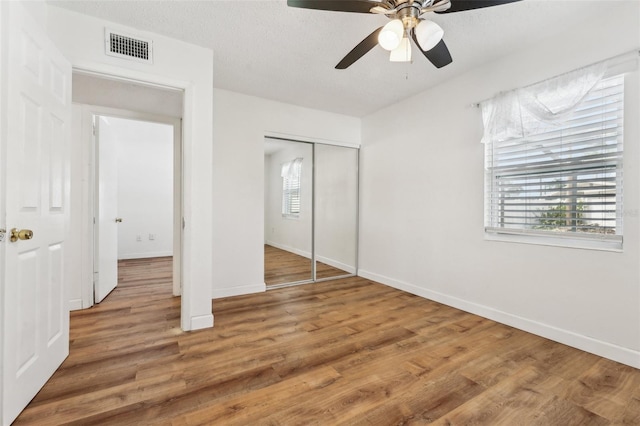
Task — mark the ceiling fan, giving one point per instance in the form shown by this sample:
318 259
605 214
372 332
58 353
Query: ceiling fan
407 20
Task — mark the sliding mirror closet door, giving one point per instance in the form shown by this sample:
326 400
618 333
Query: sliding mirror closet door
288 168
336 208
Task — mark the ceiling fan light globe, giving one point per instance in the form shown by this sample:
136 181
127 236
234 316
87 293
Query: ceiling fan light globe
428 34
391 35
402 53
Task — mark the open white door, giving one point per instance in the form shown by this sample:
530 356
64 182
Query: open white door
106 237
35 314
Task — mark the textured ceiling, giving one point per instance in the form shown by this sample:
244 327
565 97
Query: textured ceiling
266 49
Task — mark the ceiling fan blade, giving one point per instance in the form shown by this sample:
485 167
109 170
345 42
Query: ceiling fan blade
462 5
438 56
360 50
358 6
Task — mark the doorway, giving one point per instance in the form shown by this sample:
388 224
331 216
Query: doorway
134 207
143 109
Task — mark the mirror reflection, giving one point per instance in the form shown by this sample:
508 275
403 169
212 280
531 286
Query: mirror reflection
336 204
288 177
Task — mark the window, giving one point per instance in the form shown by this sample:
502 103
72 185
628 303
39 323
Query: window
291 176
562 179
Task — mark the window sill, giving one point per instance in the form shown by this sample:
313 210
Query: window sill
545 240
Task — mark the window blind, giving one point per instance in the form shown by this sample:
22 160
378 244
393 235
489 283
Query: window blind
291 178
566 180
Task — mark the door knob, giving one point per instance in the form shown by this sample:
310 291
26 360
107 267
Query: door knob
118 219
23 234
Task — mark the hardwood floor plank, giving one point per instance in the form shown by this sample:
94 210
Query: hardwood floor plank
604 389
98 403
631 414
504 403
243 411
343 352
422 402
560 411
345 404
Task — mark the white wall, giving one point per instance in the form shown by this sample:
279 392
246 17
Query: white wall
240 124
176 64
145 186
289 233
267 195
74 276
125 95
427 237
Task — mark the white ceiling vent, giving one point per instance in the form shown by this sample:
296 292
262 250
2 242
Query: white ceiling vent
127 46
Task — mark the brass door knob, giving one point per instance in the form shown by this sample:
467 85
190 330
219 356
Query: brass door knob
23 234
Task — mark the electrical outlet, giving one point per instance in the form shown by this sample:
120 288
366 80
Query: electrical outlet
138 237
152 237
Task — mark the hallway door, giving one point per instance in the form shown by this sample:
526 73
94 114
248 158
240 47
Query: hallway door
107 220
35 313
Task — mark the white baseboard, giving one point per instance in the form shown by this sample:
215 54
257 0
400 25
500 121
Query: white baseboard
146 255
342 266
201 321
75 304
238 291
290 249
604 349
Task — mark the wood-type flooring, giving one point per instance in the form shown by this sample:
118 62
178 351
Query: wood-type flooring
281 266
342 352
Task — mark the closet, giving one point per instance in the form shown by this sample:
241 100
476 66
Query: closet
311 211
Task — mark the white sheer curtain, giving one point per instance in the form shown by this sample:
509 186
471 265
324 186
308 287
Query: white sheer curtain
291 168
525 112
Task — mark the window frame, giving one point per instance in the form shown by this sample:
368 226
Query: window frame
292 189
570 239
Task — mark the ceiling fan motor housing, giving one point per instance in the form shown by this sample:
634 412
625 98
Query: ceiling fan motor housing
409 14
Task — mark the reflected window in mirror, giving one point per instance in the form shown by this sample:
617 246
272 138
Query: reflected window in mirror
291 177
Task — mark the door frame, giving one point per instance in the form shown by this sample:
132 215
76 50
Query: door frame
188 319
90 156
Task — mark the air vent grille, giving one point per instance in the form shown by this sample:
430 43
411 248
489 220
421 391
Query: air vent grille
126 46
